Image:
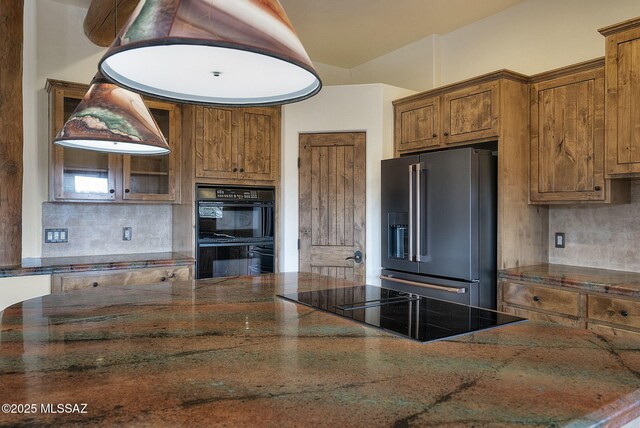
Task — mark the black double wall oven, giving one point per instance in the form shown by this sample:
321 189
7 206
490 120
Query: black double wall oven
235 231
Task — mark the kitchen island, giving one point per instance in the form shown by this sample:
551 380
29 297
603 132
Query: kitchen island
229 352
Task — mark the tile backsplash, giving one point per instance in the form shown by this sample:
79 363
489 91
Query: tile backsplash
96 229
604 236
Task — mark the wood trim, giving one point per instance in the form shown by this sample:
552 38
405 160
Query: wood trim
11 132
620 26
183 220
523 229
489 77
568 70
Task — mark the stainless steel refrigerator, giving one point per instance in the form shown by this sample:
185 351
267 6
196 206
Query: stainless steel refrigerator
439 225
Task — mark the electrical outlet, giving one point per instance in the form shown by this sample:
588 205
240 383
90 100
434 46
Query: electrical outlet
127 233
56 236
560 241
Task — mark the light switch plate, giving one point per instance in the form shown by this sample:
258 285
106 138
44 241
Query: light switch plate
560 240
127 233
56 236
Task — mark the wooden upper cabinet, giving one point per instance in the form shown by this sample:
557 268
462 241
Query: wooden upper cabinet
463 113
470 114
623 99
216 143
154 178
86 175
567 135
258 144
238 144
417 124
76 174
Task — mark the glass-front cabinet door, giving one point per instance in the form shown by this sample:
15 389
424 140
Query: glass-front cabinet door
154 177
86 175
76 173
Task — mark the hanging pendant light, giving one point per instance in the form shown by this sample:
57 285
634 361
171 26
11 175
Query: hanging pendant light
112 119
212 52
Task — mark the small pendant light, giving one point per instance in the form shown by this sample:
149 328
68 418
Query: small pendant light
112 119
212 52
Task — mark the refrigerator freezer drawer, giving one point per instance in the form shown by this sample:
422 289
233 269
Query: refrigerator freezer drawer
438 288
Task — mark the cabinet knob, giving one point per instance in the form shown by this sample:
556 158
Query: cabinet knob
536 298
235 170
163 279
112 190
95 284
173 275
624 313
597 188
446 134
126 190
434 135
241 169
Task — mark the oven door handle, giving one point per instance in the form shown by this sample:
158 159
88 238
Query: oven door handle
455 290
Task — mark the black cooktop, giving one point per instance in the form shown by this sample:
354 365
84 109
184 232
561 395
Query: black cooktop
409 315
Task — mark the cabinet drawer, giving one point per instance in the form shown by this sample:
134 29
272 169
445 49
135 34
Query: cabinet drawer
66 283
541 316
615 311
545 299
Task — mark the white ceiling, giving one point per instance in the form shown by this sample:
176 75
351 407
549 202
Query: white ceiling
346 33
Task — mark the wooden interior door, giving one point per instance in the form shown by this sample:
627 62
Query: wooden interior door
332 204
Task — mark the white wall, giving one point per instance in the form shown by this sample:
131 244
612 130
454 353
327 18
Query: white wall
54 47
532 37
413 66
339 109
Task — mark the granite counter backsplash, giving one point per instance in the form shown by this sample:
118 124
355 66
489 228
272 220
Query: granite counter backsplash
53 265
576 277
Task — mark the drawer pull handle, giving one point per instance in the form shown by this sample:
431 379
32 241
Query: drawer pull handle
536 298
173 275
455 290
624 313
95 284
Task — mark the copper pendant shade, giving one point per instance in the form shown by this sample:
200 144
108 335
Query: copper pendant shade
212 52
112 119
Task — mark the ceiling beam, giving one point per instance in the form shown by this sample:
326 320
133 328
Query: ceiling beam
102 24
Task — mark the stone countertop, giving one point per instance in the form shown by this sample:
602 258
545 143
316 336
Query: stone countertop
229 352
52 265
579 278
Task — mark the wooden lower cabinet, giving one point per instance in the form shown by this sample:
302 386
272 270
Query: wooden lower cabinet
541 303
63 283
601 313
614 312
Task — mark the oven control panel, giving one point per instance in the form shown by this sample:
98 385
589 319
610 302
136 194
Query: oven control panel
236 194
249 194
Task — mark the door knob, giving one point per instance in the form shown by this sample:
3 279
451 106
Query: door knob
357 257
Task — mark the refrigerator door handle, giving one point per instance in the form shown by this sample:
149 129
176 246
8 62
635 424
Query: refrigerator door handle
412 256
456 290
419 221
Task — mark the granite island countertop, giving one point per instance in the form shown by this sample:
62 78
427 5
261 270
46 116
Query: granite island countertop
54 265
229 352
